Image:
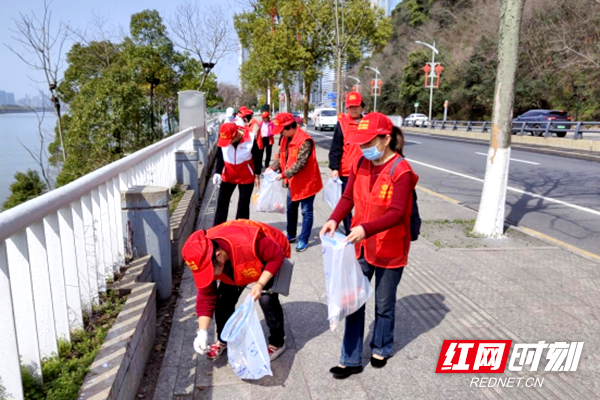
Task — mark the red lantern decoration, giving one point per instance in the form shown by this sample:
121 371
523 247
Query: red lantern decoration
438 72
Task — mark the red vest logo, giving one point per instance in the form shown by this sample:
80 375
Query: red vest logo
473 356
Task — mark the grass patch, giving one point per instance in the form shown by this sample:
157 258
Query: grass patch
175 198
64 373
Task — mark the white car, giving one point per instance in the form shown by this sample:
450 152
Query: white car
416 120
326 118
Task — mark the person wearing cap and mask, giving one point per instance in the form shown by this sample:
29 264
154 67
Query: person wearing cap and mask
236 253
380 188
238 164
266 134
342 153
297 162
229 117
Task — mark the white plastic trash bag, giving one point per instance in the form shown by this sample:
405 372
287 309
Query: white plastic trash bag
246 346
332 192
272 197
347 287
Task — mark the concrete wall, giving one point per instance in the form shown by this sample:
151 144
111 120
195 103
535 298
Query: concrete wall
182 225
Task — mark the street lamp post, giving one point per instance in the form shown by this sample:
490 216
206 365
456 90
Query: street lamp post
357 82
434 51
376 86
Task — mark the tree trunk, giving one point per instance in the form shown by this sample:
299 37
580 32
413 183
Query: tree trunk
338 81
59 124
204 75
307 86
490 219
288 105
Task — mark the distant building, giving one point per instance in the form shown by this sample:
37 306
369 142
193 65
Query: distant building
10 99
3 98
243 55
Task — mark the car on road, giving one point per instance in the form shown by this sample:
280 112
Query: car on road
325 118
538 119
298 117
416 120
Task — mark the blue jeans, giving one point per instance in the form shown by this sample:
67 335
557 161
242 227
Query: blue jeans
386 283
307 217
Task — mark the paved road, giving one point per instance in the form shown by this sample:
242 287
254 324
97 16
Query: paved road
557 196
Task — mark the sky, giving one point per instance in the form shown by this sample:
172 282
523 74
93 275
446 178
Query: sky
15 75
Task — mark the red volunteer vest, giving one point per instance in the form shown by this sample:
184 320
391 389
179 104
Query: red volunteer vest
242 236
387 249
239 167
351 152
308 181
271 138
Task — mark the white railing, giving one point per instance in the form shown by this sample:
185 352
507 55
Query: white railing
58 250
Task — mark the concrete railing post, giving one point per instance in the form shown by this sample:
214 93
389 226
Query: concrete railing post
186 169
145 211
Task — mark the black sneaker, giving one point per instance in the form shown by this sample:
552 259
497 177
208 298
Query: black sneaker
342 373
377 363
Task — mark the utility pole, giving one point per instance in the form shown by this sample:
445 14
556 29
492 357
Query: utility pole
490 218
432 76
376 87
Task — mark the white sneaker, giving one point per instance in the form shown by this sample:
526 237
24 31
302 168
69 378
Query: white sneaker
275 352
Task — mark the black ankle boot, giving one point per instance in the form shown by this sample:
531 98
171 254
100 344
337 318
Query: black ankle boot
342 373
377 363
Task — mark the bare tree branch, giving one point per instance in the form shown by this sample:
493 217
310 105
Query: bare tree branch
43 51
204 33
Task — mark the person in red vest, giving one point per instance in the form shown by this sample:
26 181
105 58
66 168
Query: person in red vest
238 164
380 188
297 162
236 253
342 153
267 137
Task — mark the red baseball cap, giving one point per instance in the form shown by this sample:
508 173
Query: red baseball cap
353 99
265 114
244 111
227 132
197 253
373 124
281 121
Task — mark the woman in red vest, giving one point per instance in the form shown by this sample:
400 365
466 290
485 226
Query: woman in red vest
238 164
297 162
380 189
236 253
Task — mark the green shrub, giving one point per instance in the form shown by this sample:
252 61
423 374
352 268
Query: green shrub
64 373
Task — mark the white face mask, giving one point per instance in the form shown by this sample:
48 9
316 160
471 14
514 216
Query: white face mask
372 153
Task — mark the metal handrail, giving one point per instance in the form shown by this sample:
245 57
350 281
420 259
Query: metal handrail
547 127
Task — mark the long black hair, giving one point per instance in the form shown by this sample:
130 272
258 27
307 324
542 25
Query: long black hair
396 140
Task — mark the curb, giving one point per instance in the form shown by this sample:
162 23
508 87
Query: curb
524 230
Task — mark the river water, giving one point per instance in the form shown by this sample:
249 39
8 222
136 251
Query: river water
17 130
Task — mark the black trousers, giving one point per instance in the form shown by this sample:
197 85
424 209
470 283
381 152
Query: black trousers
348 219
225 193
268 148
227 298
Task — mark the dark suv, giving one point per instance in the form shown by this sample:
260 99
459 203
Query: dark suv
538 119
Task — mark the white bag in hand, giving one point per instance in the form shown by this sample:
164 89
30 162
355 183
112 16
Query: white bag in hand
246 346
272 197
332 192
347 287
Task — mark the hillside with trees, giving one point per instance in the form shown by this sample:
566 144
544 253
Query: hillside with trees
559 60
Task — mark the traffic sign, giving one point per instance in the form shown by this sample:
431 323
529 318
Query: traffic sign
416 104
333 104
331 95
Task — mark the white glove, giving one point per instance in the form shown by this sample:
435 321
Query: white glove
200 343
217 179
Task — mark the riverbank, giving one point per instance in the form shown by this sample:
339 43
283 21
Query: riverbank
21 109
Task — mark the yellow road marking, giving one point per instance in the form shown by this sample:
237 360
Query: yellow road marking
575 249
436 194
529 231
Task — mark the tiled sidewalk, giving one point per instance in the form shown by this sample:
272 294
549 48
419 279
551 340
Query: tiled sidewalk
524 293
